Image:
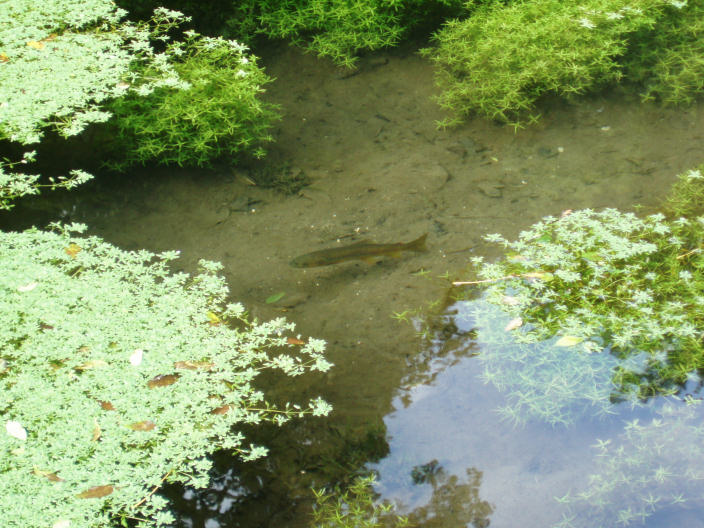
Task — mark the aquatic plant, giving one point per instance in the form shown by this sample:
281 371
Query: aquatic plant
609 283
337 29
14 184
354 507
117 375
220 114
61 60
542 380
501 59
652 465
667 61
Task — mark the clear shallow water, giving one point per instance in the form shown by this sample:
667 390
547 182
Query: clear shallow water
455 461
382 172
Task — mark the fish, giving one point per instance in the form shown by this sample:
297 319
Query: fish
365 251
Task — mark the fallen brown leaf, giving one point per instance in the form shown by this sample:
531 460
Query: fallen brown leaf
96 492
146 425
162 380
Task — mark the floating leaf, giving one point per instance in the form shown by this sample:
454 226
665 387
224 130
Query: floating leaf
96 431
163 380
53 477
96 492
146 425
513 324
213 319
27 287
4 57
45 326
37 45
73 249
276 297
91 364
15 430
136 357
223 409
193 365
106 405
568 341
295 341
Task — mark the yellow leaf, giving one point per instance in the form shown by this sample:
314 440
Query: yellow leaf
52 477
213 319
91 364
568 341
4 57
96 431
146 425
193 365
37 45
72 250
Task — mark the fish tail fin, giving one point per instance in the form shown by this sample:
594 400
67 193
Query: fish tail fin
418 244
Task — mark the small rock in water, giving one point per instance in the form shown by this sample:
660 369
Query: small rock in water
547 152
437 176
491 189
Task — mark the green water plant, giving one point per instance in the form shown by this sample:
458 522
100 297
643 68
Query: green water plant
219 115
61 60
354 507
667 62
652 465
15 184
541 380
501 59
117 375
609 283
338 29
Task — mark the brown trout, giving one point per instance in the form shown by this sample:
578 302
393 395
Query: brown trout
365 251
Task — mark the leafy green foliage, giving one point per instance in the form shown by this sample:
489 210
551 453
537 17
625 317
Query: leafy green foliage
16 184
117 375
651 466
338 29
542 380
502 58
687 195
354 508
219 115
60 60
668 60
610 283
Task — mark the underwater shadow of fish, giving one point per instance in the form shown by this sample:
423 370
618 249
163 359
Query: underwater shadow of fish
365 251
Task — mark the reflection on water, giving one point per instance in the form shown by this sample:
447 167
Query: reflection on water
598 465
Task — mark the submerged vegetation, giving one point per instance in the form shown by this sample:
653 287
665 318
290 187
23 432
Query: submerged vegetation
354 508
611 283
